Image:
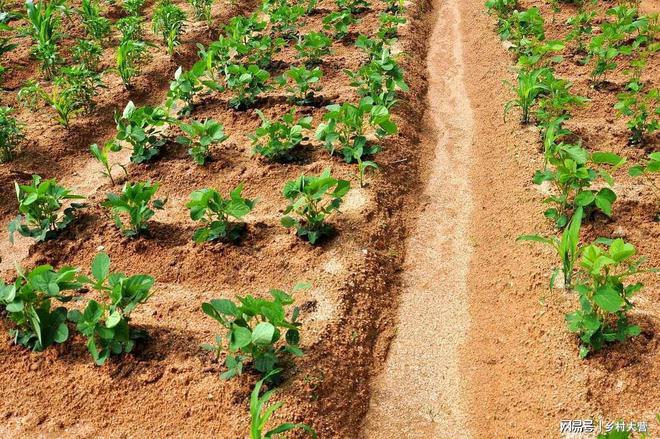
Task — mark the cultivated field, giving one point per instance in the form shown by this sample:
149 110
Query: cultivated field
332 218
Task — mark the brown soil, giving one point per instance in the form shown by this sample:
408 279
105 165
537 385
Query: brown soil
513 360
169 386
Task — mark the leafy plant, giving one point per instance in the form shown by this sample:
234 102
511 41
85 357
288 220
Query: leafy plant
354 6
102 155
202 10
567 248
201 135
168 21
313 200
40 206
134 206
246 83
381 77
389 26
133 7
285 19
346 122
604 297
142 128
276 140
556 100
313 46
106 324
214 211
581 27
96 26
185 86
130 54
11 134
254 331
647 169
572 178
339 22
260 414
642 110
29 305
303 88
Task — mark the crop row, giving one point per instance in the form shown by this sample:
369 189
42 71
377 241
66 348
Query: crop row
259 332
599 272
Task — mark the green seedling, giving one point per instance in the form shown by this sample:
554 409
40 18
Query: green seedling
246 83
530 86
260 413
130 54
29 305
106 324
567 248
301 84
255 328
102 154
339 22
169 21
133 208
604 297
200 136
142 128
41 208
96 26
312 47
313 200
11 134
276 140
214 212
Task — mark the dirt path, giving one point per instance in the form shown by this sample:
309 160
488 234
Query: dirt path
420 393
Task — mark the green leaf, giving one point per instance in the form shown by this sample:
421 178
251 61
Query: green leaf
101 267
263 333
239 337
608 299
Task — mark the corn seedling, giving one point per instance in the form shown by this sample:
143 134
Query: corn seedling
133 208
313 200
260 413
106 324
254 332
29 305
202 10
11 134
44 22
102 155
276 140
96 26
130 28
168 21
133 7
567 248
87 53
214 212
130 54
199 136
530 86
41 208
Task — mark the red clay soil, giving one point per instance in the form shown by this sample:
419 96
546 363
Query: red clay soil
520 362
169 387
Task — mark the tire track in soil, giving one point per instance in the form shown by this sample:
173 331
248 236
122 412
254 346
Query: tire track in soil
420 392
